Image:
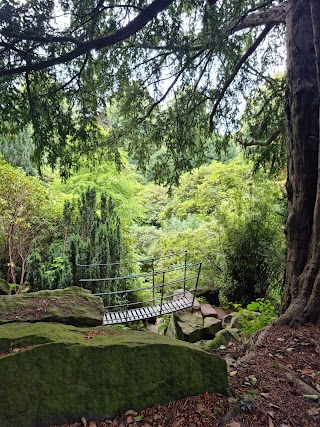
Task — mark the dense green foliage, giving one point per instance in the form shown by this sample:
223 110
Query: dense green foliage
149 89
28 216
262 132
232 220
123 186
251 324
18 150
222 214
90 238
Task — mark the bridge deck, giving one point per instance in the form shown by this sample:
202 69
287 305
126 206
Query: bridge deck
115 317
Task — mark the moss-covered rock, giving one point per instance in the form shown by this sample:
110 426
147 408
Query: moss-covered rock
186 326
62 372
204 344
4 287
223 337
233 320
72 306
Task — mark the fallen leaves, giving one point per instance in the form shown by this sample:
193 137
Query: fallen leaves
270 422
307 371
233 424
314 411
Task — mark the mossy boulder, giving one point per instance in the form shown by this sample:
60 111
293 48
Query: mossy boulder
53 373
204 344
72 306
233 320
223 337
186 326
4 287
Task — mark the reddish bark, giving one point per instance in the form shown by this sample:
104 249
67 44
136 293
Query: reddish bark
301 301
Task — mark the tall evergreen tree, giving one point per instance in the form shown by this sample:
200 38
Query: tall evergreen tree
35 270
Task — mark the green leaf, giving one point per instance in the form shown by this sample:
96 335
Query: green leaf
311 396
138 418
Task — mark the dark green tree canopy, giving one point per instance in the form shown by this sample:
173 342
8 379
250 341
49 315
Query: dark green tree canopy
158 74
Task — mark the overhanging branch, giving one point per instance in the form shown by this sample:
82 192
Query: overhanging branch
273 16
39 38
140 21
237 68
269 141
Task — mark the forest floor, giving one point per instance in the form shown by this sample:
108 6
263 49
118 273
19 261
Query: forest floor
273 383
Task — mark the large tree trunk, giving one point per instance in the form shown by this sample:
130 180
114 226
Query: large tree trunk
301 301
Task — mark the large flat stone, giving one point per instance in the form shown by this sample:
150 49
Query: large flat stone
62 373
212 325
72 306
208 311
186 326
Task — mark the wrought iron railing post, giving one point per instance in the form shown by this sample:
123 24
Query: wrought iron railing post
153 300
197 281
126 299
185 273
162 292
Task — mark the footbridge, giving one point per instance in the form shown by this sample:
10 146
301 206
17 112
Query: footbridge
159 291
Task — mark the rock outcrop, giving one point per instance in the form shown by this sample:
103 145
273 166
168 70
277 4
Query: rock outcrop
53 373
223 337
4 287
192 326
186 326
72 306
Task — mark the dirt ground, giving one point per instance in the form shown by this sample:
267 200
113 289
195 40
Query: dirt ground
275 383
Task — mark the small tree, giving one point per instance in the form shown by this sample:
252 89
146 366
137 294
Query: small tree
35 270
27 214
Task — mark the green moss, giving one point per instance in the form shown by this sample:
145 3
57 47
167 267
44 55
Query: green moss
74 306
223 337
4 287
96 372
186 326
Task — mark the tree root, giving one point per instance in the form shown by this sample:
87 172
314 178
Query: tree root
301 385
256 340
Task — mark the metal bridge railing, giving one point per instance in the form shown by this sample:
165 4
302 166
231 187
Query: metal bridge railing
161 290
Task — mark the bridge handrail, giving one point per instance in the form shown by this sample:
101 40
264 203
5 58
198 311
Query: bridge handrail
137 276
134 262
173 282
129 304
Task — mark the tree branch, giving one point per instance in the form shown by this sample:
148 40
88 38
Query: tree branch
272 138
33 36
237 68
140 21
274 16
156 103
